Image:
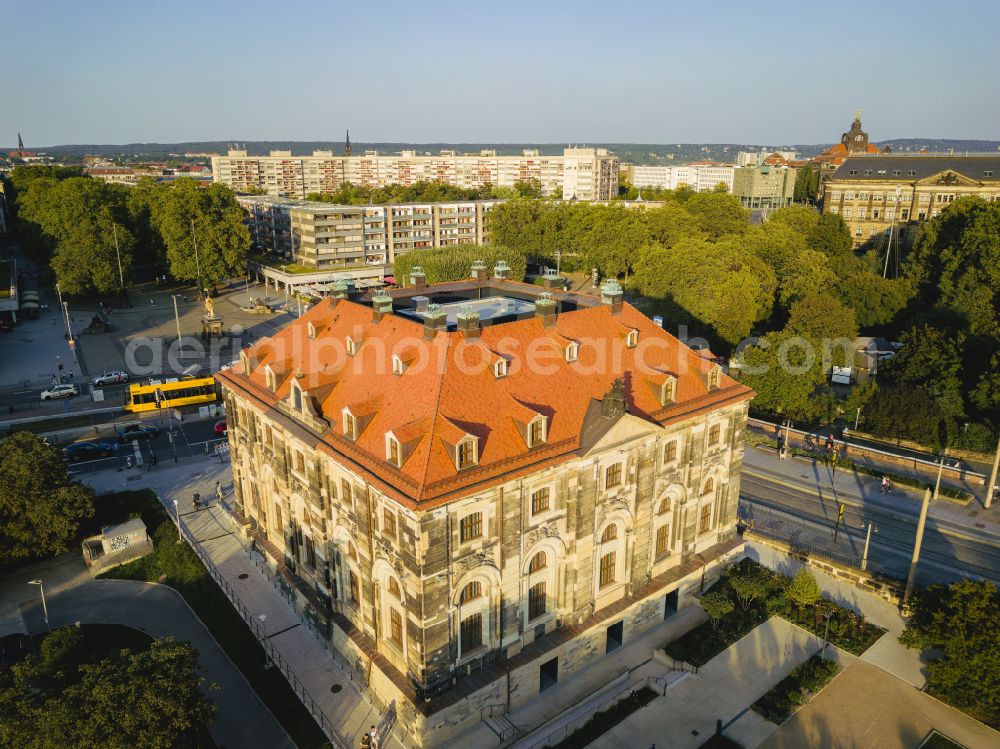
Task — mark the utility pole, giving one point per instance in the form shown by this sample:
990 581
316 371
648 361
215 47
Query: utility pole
911 578
993 478
177 318
840 519
121 276
868 540
857 419
197 261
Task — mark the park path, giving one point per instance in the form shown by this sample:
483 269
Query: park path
242 719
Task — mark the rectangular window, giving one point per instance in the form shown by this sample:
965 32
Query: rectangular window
670 452
395 627
467 454
389 523
613 476
607 569
536 601
471 527
472 632
300 462
847 212
714 434
662 540
706 519
345 487
355 586
537 432
540 501
310 552
394 452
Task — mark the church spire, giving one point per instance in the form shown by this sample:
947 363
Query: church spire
347 144
20 143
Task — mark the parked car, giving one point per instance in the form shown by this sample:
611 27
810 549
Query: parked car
137 432
60 391
111 378
221 427
88 451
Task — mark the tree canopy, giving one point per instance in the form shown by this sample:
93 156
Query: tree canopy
40 508
65 697
960 624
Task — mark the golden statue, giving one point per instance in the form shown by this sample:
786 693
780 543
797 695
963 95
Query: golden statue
209 307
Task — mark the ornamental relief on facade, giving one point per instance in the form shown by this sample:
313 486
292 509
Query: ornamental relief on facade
478 559
548 530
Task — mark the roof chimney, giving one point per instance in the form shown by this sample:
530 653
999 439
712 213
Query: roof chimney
479 272
611 295
545 309
417 277
435 320
501 271
381 305
340 290
468 321
552 279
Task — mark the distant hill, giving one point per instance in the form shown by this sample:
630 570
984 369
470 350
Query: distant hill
637 153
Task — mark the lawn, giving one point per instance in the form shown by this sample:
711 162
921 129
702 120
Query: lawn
848 630
177 565
796 689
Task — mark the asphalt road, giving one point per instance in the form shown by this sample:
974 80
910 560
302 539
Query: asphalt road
807 519
183 440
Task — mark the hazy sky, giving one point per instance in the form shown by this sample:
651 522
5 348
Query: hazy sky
113 71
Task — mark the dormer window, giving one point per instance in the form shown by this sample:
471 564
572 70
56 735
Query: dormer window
350 345
312 330
245 363
537 431
270 378
500 368
350 424
398 366
632 339
668 391
572 351
468 453
714 377
296 397
393 453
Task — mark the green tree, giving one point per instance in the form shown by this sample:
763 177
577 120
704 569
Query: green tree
63 698
203 231
803 590
749 584
806 185
716 605
830 235
959 624
802 218
455 263
907 412
785 370
40 508
799 270
670 223
930 359
718 214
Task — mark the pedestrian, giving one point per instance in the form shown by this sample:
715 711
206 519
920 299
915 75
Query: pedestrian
53 322
152 302
218 490
152 459
128 462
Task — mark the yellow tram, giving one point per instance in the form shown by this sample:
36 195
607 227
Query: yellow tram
170 393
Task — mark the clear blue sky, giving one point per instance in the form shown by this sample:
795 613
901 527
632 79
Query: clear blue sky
115 71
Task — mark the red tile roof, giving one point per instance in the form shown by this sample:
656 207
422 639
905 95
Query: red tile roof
449 391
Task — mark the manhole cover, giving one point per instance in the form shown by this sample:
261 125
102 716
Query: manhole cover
244 576
336 688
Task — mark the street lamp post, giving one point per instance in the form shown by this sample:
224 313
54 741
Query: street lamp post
263 638
45 608
177 519
826 634
912 577
121 276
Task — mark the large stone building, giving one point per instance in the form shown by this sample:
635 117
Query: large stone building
878 192
581 173
477 488
328 236
700 177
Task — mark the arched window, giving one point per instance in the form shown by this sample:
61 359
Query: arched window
610 534
536 600
664 507
394 588
538 562
471 592
709 487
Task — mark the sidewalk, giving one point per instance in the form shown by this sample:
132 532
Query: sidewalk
722 689
972 519
296 646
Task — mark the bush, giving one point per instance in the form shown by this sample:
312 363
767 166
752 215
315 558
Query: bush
604 720
789 694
